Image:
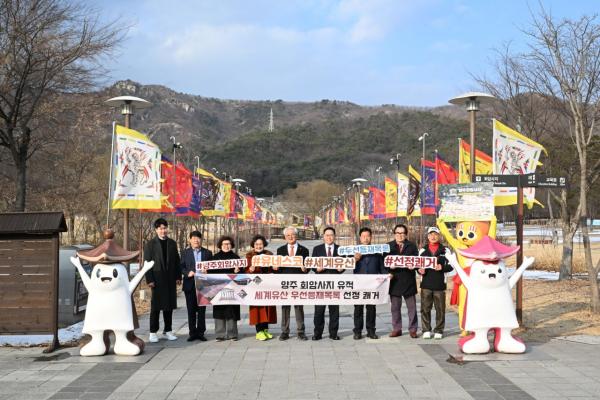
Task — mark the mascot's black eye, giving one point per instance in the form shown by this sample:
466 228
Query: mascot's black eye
98 273
471 235
115 272
460 233
499 270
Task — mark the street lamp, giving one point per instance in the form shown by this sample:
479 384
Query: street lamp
176 145
396 160
237 182
422 139
127 105
472 101
197 158
378 170
357 182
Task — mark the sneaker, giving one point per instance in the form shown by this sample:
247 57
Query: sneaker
426 335
170 336
261 336
267 334
438 336
153 338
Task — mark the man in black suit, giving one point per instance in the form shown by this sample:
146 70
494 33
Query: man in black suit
366 264
292 248
327 249
196 314
163 279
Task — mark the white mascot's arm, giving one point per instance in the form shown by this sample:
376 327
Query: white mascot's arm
138 277
451 257
527 262
84 276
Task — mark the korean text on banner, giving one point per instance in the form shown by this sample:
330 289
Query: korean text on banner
291 289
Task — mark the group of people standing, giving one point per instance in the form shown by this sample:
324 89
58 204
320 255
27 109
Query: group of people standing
170 270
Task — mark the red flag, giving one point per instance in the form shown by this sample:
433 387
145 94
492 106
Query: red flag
446 175
179 178
378 196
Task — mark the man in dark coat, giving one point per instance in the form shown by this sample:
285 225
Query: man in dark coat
327 249
366 264
433 286
403 283
163 278
292 248
189 257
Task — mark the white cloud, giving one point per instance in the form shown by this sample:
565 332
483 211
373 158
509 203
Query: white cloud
451 46
374 19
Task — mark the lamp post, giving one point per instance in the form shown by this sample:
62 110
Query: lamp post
357 182
197 158
378 170
176 145
237 182
396 160
127 105
472 101
422 139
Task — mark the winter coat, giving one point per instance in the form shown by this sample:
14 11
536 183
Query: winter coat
164 277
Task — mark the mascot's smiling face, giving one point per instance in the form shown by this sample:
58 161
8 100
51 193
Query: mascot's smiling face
470 232
489 274
110 277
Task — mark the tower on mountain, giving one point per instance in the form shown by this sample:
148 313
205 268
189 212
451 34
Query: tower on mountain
271 125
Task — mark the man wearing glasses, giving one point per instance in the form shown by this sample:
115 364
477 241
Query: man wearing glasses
403 283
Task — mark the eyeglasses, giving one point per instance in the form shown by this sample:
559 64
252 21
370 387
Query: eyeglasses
399 233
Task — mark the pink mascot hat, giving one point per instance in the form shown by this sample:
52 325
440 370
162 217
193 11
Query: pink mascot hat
488 249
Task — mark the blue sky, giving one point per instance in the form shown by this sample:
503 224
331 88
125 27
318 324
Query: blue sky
370 52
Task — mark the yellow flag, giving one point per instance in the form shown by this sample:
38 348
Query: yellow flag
135 171
483 162
391 198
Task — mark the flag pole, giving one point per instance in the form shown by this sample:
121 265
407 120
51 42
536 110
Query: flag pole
435 186
110 178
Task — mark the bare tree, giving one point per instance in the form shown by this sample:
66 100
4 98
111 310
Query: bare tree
562 66
538 118
47 47
310 197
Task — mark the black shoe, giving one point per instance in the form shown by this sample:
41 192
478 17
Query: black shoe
220 339
317 337
201 338
302 336
334 337
284 336
191 338
357 336
372 336
235 338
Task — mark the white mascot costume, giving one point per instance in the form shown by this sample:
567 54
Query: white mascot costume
490 305
109 305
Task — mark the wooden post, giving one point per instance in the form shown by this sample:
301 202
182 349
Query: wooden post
54 345
519 226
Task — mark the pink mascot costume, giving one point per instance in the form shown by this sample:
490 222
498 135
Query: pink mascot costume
490 304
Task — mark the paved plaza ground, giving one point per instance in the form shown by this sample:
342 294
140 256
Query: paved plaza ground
388 368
